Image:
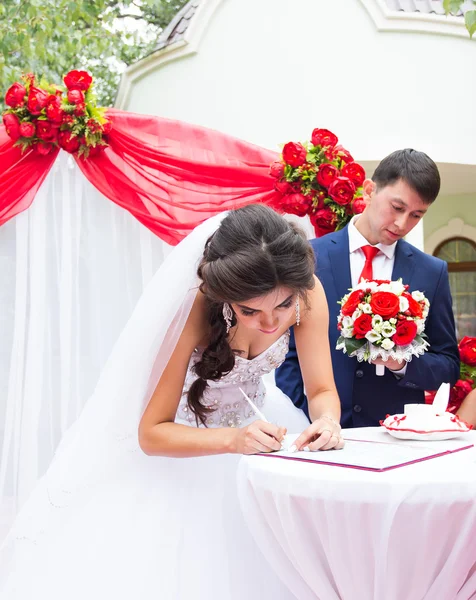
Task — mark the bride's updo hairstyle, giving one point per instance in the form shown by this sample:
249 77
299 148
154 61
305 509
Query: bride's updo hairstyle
253 252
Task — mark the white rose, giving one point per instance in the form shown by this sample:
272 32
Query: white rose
385 287
420 323
387 344
373 336
366 285
397 287
418 296
404 304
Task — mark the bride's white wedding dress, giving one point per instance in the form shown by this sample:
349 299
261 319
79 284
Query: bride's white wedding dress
109 522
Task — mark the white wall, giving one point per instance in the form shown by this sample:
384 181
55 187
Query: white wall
271 70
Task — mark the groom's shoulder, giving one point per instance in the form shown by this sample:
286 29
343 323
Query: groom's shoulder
428 261
326 240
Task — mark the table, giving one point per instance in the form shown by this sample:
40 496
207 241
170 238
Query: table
335 533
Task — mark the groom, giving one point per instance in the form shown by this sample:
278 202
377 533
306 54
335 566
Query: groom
400 192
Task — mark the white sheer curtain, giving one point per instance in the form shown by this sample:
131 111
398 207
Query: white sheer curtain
73 267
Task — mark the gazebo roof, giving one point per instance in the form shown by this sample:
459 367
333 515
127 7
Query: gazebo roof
424 6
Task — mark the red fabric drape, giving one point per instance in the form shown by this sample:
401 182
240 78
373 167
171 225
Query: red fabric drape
20 176
172 176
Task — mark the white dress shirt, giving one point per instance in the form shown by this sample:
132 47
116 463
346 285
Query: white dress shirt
382 264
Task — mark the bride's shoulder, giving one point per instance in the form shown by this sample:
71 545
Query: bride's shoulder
196 326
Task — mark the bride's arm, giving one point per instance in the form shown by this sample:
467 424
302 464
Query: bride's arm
312 344
160 436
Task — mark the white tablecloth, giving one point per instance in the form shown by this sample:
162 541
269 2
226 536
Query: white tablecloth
336 533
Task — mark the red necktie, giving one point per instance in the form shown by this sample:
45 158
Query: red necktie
370 253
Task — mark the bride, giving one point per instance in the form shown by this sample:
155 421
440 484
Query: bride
117 515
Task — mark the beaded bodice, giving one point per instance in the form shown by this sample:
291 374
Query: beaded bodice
230 407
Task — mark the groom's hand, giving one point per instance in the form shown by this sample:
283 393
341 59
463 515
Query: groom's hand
391 363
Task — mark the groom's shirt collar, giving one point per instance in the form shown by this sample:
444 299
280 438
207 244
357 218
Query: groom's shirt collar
357 240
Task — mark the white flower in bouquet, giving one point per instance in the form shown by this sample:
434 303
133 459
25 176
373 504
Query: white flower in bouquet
356 314
373 336
377 321
404 304
387 344
388 330
418 296
366 308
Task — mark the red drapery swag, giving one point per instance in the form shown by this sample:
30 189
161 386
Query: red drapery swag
169 175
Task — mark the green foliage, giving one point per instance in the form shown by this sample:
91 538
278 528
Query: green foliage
453 6
52 37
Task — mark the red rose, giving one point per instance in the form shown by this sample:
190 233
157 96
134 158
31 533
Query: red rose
78 80
68 142
12 126
27 129
46 132
353 301
15 95
413 306
44 149
276 169
362 325
467 351
296 204
323 137
76 97
342 190
68 119
294 154
343 154
95 150
460 390
107 126
324 221
354 172
406 331
385 304
283 187
53 109
79 110
37 100
326 174
358 205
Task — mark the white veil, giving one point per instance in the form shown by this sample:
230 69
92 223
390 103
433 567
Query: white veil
106 431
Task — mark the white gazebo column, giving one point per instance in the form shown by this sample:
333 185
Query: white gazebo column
416 237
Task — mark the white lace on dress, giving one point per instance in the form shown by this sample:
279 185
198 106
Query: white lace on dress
231 408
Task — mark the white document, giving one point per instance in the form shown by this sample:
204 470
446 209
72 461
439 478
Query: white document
377 456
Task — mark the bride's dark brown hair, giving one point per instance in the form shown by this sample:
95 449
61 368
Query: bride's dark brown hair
253 252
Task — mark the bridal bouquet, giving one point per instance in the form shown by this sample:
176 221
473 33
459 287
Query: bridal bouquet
381 319
320 179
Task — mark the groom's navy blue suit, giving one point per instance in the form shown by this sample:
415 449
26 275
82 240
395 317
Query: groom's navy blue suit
365 397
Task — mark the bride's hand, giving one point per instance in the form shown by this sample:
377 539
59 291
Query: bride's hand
259 437
323 434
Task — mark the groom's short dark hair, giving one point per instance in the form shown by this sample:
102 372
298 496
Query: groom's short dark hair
415 168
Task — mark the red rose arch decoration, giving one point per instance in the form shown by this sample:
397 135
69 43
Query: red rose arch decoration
169 175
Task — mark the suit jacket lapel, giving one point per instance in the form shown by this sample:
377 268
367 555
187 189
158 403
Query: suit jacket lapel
340 262
404 264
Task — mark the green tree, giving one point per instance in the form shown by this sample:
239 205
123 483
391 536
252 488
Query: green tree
51 37
454 6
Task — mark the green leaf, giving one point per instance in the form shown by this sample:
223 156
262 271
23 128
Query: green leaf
452 6
470 21
352 344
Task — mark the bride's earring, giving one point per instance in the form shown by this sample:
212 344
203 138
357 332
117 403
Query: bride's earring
298 312
227 316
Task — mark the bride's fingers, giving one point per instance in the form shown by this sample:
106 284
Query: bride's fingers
323 441
333 443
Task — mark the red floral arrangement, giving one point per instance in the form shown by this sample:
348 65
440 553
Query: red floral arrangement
44 116
467 381
319 179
